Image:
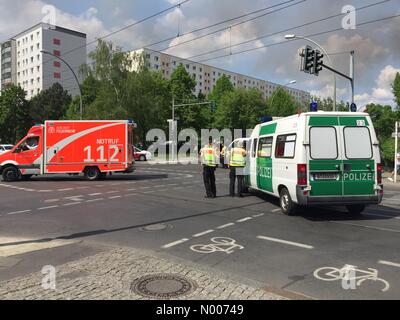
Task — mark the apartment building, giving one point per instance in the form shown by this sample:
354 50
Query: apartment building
207 76
23 63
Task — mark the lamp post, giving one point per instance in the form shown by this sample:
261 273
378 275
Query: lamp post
76 78
293 36
282 86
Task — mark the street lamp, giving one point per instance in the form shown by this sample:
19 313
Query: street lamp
76 78
282 86
293 36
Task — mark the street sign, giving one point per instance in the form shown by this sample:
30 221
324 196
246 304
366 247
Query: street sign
394 135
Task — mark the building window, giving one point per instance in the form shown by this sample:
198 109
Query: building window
38 68
57 53
38 46
56 42
155 58
57 75
31 48
57 64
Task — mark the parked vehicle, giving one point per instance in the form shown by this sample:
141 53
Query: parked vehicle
142 155
93 148
317 158
5 148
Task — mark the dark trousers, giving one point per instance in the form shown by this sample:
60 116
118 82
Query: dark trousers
209 181
240 178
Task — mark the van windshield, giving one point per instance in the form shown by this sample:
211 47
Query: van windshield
357 142
323 143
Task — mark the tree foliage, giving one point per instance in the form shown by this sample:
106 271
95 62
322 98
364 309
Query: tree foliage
15 119
396 89
281 103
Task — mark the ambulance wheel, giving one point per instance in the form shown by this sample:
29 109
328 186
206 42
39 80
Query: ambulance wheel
11 174
356 209
142 158
92 173
287 205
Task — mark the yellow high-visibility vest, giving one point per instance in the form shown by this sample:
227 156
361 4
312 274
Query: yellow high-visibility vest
238 157
209 157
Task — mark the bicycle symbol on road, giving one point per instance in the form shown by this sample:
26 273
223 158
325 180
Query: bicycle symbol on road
349 274
226 245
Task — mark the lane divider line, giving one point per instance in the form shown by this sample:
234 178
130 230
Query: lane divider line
18 212
245 219
173 244
47 208
389 263
296 244
71 204
225 226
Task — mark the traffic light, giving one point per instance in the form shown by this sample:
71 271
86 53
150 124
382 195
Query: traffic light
353 107
318 62
308 60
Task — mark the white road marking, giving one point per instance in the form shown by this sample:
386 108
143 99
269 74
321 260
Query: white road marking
71 204
245 219
276 210
95 194
51 200
73 197
47 208
17 212
296 244
111 192
43 191
389 263
95 200
173 244
259 215
115 197
67 189
225 226
146 192
203 233
131 194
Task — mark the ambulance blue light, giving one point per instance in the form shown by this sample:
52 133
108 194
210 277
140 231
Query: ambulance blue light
313 106
266 119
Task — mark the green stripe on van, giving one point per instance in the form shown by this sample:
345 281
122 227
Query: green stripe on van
339 121
268 129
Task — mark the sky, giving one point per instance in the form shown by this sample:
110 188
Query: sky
376 45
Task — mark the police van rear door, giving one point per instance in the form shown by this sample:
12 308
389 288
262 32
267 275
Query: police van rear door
359 167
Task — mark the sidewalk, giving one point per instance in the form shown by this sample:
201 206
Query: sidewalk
114 274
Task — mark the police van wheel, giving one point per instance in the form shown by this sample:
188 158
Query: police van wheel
287 205
92 173
356 209
11 174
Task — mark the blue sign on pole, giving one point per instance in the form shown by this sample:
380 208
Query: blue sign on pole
353 107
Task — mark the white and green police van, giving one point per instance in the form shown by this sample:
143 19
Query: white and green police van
317 158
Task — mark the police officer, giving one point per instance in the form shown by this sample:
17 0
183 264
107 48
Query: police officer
208 159
223 155
237 163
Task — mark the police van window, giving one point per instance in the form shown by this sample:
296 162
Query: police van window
253 151
323 143
285 146
357 141
265 147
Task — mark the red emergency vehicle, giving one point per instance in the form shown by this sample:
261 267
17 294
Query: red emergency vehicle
90 147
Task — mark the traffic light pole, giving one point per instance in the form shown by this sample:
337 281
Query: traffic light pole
351 79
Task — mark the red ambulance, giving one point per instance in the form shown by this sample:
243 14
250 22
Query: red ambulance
72 147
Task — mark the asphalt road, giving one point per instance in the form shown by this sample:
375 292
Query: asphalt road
246 237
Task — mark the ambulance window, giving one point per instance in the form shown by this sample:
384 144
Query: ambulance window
323 143
253 152
285 146
265 147
357 141
31 143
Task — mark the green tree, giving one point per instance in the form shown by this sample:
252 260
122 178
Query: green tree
222 86
240 109
15 119
396 89
281 103
50 104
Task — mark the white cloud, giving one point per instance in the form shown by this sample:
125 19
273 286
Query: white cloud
382 93
327 92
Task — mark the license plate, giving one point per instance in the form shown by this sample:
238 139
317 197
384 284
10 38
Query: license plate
326 176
